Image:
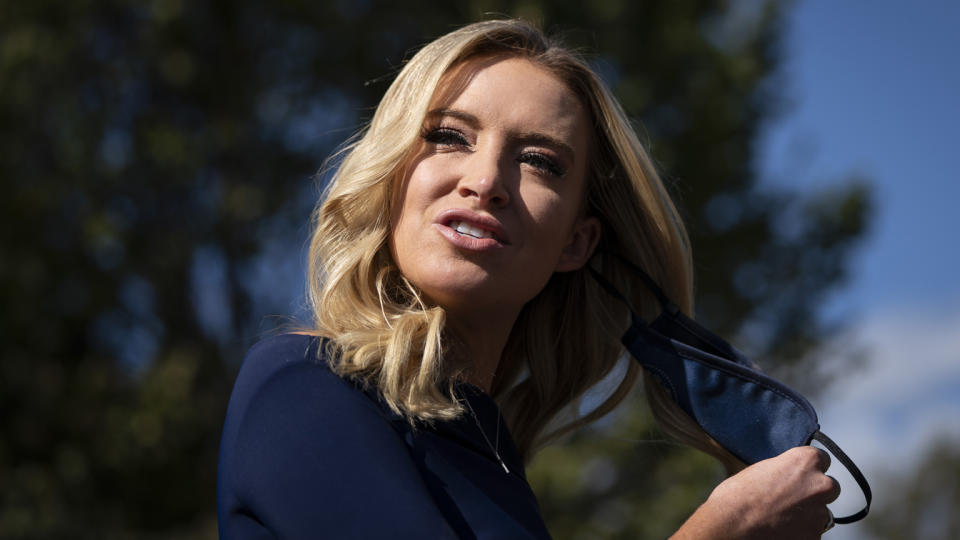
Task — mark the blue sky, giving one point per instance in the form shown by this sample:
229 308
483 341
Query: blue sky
874 90
874 93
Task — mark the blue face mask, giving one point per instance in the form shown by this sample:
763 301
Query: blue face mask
750 414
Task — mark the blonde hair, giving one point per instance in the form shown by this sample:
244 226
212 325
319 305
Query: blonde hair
566 339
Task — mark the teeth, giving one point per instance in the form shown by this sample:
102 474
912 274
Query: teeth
468 230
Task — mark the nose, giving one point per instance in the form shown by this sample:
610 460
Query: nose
485 178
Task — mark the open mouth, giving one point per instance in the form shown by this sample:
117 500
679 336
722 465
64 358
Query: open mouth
465 229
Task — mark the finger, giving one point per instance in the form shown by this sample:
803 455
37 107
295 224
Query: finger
823 459
829 523
833 491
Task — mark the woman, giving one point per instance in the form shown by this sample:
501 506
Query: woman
448 269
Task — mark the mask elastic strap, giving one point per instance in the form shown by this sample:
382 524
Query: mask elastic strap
854 471
665 302
708 339
612 291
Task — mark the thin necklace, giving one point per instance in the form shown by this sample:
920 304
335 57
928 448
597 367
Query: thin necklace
495 449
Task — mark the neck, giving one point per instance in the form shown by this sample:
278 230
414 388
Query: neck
482 338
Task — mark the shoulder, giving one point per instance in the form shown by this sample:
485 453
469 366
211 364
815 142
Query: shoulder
290 362
305 450
286 380
276 354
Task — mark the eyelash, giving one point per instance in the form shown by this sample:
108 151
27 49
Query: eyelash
542 163
443 136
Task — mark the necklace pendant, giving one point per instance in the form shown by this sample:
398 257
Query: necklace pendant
494 449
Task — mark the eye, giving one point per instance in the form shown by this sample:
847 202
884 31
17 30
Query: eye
542 163
444 136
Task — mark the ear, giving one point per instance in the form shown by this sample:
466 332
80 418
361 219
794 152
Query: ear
583 240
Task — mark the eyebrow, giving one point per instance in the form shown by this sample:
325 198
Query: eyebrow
531 137
456 113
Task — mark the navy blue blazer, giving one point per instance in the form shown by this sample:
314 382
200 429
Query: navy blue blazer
307 454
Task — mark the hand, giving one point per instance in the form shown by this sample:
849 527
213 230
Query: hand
784 497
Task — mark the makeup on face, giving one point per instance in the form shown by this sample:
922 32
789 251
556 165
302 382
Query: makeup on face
490 206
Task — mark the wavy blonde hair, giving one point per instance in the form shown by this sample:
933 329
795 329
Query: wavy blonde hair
566 339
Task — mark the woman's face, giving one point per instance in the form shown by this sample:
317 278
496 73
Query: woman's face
491 205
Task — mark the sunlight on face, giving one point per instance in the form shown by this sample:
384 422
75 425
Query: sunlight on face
490 207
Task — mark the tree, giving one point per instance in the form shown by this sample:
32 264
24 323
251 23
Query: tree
158 161
922 501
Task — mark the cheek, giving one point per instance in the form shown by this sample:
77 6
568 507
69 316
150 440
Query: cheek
552 213
425 184
410 207
406 196
400 217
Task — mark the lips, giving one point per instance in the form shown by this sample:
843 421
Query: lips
472 226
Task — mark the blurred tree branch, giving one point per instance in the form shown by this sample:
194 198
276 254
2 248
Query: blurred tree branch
157 158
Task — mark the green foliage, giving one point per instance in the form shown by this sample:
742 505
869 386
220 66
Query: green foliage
157 161
922 501
621 479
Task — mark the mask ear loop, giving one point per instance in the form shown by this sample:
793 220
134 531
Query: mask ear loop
854 471
612 291
665 302
707 338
